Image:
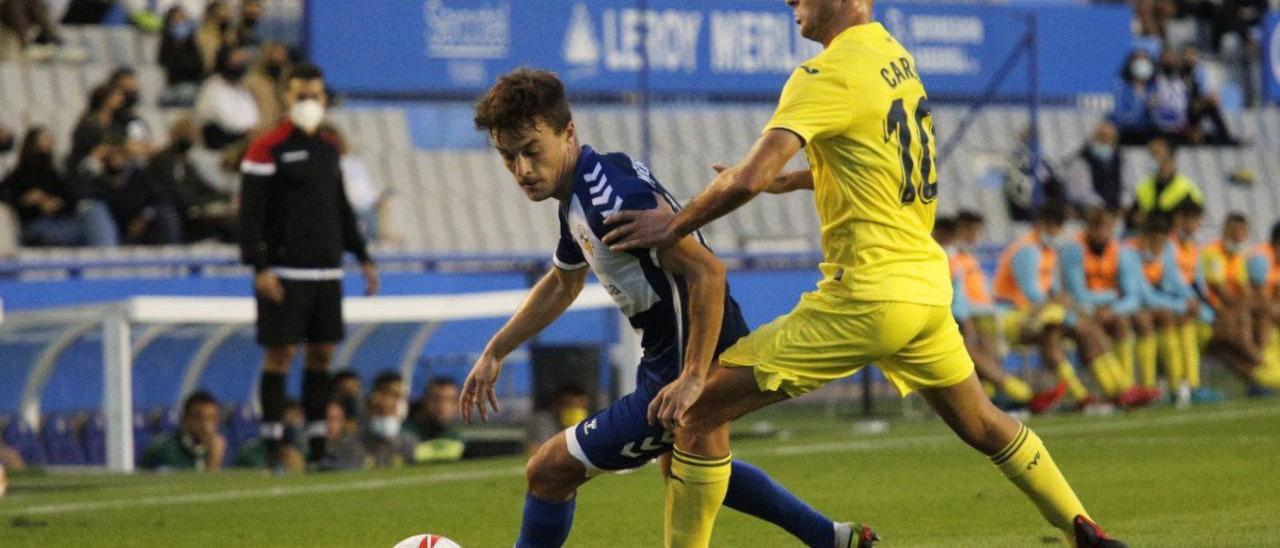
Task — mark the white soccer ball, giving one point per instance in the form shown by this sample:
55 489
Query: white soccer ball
426 541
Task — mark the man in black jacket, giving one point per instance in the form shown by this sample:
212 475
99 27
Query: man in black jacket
295 222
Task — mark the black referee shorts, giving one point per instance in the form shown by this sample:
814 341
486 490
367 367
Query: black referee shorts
311 313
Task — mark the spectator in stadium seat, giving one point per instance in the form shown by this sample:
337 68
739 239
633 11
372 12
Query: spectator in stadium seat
180 57
1132 112
386 442
31 23
126 123
1167 189
246 31
1171 99
206 212
1203 104
196 444
343 448
215 32
266 81
390 382
433 423
225 108
1020 176
1099 164
346 383
94 125
141 213
52 210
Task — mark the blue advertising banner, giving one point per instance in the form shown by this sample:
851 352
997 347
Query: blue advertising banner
712 46
1271 57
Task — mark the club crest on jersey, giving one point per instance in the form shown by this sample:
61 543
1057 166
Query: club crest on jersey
584 238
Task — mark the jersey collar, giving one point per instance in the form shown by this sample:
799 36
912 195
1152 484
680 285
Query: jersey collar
860 32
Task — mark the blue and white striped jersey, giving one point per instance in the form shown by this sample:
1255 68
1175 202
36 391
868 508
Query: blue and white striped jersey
654 299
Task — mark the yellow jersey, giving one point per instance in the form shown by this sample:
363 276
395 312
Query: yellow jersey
865 121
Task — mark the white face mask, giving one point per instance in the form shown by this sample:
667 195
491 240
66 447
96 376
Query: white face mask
385 427
1143 69
307 114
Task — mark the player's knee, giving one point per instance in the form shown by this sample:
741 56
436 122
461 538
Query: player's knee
550 474
278 358
318 358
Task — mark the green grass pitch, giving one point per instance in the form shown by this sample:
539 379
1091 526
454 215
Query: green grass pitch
1203 477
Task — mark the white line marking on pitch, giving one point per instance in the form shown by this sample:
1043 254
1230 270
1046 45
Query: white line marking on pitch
456 477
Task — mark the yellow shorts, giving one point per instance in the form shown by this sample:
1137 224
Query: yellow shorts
1018 327
827 337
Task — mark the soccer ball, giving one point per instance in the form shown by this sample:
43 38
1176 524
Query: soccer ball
426 541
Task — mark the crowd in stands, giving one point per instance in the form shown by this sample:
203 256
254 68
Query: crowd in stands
380 428
125 183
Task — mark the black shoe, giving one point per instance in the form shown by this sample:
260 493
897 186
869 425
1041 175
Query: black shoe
1089 535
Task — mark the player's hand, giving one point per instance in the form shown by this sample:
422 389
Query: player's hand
479 388
371 282
669 406
267 284
635 229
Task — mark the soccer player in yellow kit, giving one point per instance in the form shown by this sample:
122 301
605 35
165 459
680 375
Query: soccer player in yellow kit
861 113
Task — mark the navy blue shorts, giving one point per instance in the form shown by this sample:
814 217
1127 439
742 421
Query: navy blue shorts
619 437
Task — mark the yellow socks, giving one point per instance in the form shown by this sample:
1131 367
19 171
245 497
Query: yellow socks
1016 389
1028 465
1191 353
1067 374
1104 372
694 495
1124 351
1171 349
1146 352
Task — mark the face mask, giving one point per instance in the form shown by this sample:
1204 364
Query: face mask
1102 151
1048 241
233 73
1142 69
182 30
385 427
182 146
275 71
307 115
1234 248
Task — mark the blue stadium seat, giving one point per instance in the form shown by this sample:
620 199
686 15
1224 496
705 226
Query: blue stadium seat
60 442
94 437
26 441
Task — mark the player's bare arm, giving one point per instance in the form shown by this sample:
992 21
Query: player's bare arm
731 189
705 276
800 179
548 299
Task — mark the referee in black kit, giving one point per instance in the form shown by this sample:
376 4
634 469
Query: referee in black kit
295 222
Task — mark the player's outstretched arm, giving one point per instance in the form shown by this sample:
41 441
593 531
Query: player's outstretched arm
548 299
704 275
731 189
800 179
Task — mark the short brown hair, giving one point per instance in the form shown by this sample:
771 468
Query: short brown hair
522 98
